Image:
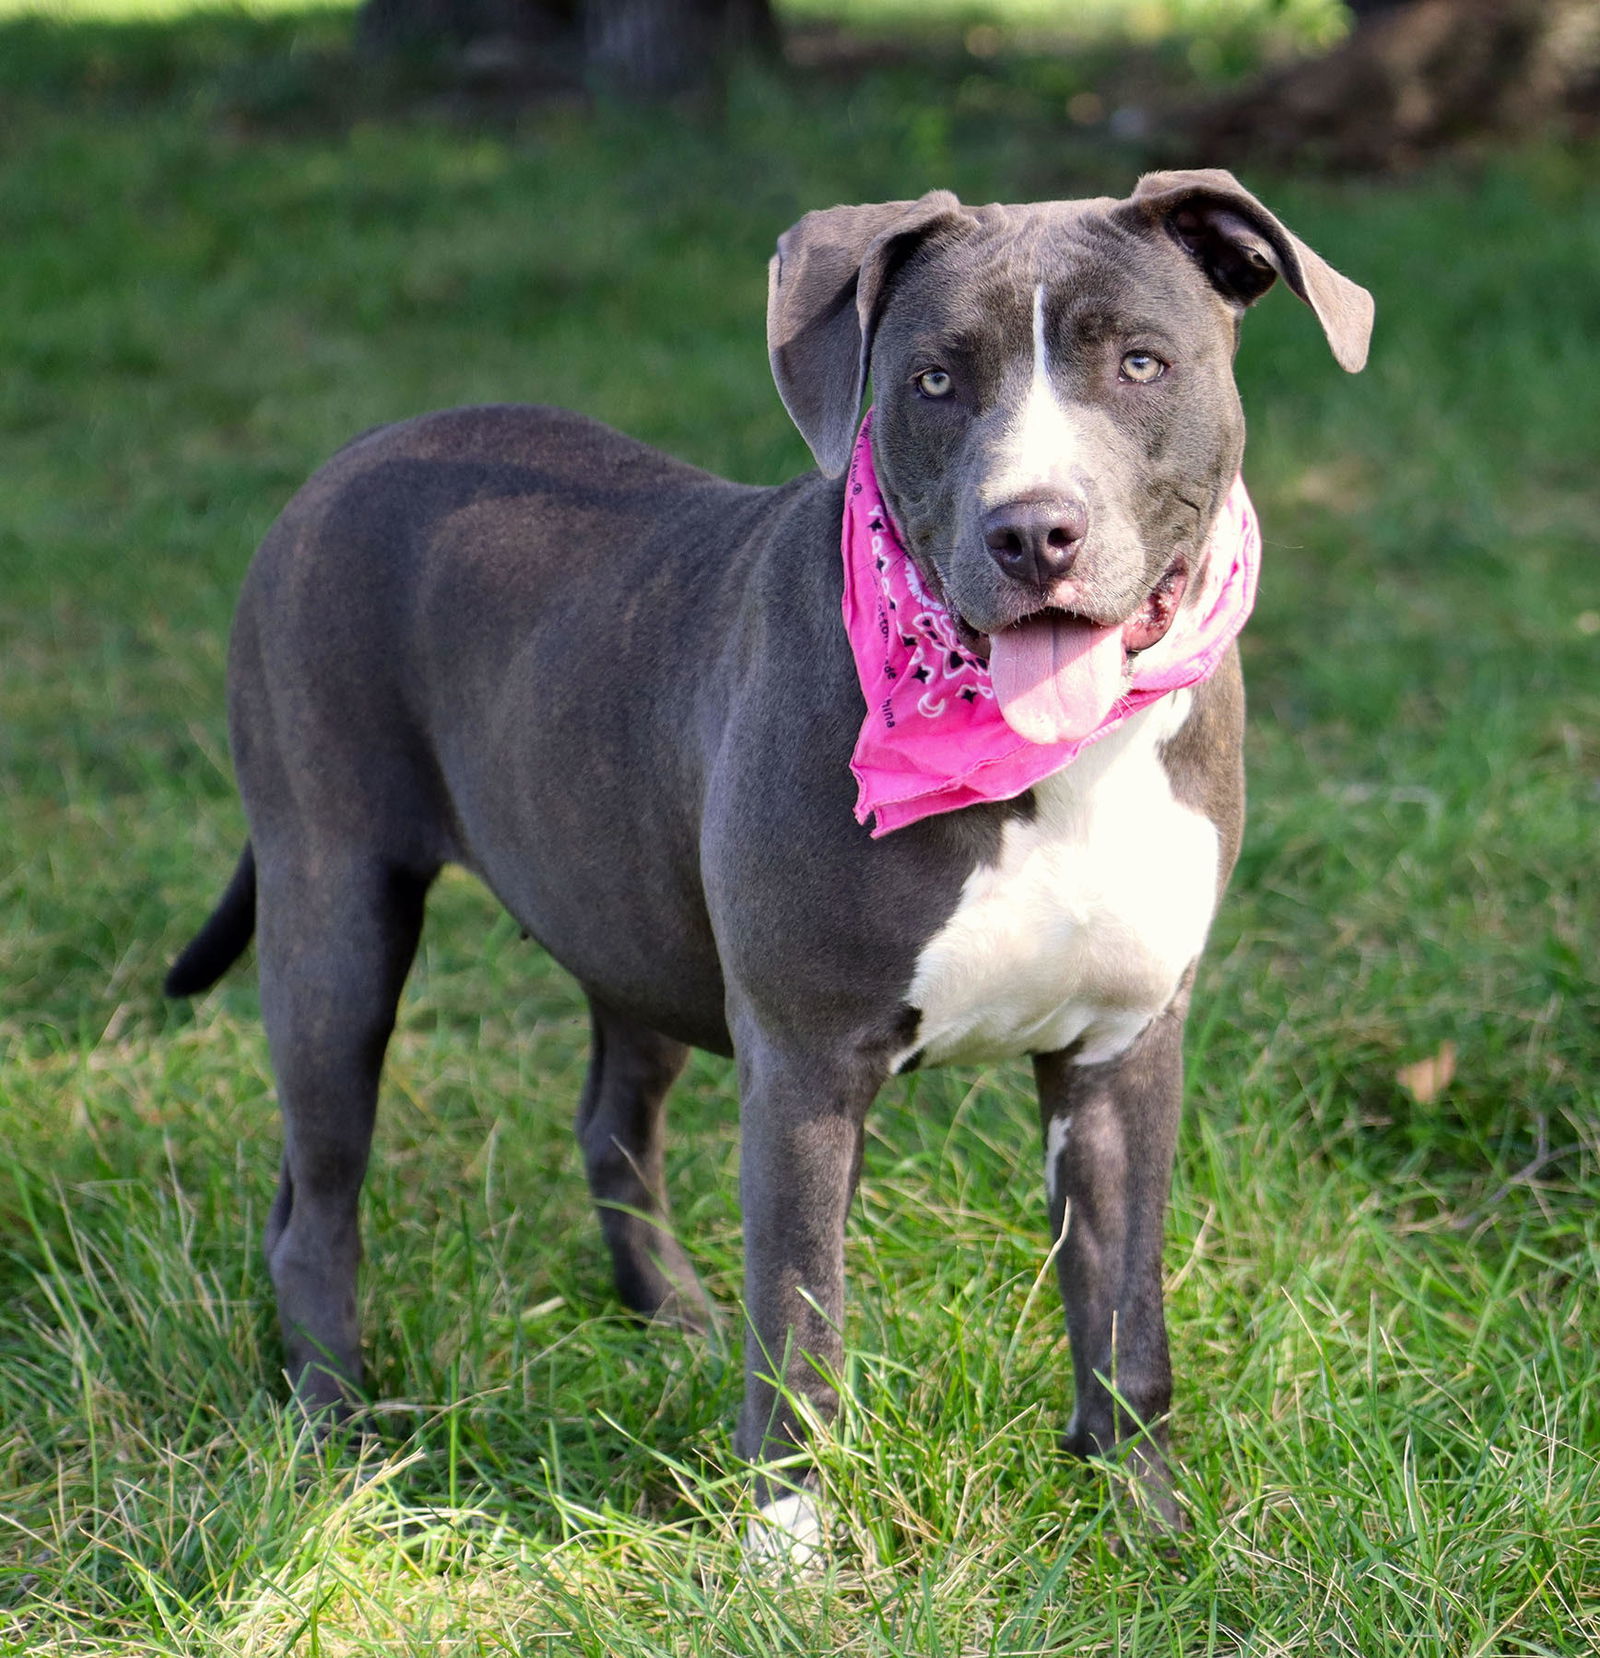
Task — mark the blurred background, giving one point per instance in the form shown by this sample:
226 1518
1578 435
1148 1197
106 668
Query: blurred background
235 237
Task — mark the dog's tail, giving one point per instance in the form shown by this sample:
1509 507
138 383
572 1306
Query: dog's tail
220 943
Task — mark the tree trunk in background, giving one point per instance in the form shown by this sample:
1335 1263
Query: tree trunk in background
645 48
1413 78
653 47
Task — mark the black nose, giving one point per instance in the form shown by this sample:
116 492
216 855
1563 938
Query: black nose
1037 541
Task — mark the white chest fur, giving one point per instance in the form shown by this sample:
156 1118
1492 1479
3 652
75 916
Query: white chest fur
1083 928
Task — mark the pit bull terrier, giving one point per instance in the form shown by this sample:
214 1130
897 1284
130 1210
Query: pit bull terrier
970 792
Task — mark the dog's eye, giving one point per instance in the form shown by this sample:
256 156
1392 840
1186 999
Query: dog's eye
934 382
1141 368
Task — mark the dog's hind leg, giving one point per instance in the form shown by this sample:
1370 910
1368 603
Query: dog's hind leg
336 938
621 1126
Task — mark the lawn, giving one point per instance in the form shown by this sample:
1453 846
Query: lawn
1383 1298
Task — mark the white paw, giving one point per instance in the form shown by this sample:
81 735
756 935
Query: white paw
785 1535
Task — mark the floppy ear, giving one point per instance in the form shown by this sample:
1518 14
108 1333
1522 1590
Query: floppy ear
1242 248
825 286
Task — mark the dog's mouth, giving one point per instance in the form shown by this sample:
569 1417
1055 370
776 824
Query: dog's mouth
1058 673
1150 623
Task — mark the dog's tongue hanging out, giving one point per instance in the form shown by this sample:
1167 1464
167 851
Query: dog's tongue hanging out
1056 677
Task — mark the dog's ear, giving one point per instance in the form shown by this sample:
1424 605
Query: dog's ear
1243 248
825 287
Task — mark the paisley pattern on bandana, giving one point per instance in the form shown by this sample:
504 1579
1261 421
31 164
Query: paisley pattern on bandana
932 655
934 739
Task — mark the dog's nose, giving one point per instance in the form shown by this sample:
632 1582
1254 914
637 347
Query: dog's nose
1037 541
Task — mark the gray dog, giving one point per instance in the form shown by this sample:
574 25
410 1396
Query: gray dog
618 690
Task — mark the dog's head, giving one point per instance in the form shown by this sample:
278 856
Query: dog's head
1056 420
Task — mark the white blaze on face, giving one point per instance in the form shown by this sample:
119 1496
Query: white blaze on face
1042 442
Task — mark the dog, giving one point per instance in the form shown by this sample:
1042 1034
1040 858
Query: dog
688 748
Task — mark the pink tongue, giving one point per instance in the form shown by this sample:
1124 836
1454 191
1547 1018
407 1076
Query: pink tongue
1056 679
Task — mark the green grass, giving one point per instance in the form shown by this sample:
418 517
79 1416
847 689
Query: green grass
1384 1313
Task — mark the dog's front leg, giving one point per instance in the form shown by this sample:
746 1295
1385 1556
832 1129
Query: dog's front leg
801 1116
1110 1135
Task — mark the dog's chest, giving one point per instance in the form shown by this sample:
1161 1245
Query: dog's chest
1083 927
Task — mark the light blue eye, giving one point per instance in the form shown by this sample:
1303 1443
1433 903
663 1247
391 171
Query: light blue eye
934 382
1141 368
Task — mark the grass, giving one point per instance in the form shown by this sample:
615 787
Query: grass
1383 1310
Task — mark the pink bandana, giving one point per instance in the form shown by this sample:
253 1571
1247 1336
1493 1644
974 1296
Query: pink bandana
934 738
